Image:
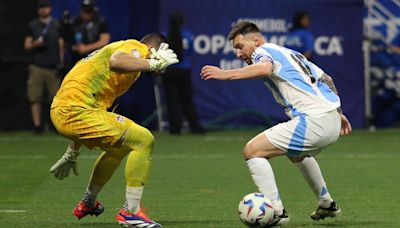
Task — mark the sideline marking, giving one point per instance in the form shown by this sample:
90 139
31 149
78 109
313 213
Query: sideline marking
12 211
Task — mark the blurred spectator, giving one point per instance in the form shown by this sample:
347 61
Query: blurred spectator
67 33
90 31
177 79
394 47
45 45
395 44
300 37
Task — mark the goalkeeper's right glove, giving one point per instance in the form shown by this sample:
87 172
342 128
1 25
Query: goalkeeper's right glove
161 59
63 166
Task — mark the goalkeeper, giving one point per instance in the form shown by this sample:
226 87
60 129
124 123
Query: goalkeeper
79 112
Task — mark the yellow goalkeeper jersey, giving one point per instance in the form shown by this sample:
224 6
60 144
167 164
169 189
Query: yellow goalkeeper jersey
92 84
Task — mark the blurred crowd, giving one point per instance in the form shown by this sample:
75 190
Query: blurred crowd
55 45
72 37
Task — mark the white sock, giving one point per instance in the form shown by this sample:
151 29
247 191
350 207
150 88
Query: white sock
263 176
133 196
313 176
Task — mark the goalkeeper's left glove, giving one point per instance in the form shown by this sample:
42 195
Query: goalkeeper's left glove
63 166
162 58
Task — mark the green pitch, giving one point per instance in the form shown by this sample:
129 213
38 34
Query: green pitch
197 181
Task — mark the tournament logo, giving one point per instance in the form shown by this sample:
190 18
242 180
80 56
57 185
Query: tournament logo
135 53
120 119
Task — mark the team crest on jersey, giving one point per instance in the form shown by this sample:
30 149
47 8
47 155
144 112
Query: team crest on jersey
135 53
120 119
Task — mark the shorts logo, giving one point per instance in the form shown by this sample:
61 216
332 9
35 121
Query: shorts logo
120 119
135 53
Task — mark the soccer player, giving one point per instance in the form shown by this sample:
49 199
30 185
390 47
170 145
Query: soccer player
79 112
310 99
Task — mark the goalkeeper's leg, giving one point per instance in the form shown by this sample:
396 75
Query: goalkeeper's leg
137 171
104 168
137 141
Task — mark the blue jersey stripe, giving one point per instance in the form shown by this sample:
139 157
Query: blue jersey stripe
289 72
327 92
296 145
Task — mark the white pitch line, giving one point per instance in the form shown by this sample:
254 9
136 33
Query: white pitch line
92 157
12 211
225 138
181 156
31 139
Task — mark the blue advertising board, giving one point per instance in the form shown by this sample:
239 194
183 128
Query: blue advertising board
337 28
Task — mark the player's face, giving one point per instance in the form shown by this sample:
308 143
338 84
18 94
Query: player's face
86 16
244 46
305 21
44 11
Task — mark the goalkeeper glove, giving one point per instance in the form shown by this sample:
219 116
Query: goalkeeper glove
63 166
161 59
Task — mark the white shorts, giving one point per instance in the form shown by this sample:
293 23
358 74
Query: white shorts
304 135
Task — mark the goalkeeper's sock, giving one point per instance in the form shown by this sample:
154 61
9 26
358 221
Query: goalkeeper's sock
263 176
133 196
313 176
90 195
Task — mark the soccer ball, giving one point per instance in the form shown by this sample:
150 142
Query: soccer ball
255 210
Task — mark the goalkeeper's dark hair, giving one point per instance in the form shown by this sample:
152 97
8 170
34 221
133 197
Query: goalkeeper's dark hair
243 28
175 35
154 39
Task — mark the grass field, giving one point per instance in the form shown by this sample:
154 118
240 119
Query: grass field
197 181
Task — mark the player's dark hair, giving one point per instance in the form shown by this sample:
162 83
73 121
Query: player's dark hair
297 18
154 39
175 35
243 28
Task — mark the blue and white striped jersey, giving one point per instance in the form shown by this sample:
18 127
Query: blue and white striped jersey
295 82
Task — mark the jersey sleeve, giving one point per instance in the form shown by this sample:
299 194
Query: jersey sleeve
261 55
29 30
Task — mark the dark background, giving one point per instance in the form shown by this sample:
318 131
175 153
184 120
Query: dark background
223 103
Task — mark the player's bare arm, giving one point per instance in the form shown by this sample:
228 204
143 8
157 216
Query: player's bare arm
329 81
123 62
258 70
346 126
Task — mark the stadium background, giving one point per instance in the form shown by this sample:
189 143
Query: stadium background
198 180
337 26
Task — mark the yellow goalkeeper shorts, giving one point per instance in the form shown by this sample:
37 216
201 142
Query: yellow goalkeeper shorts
91 127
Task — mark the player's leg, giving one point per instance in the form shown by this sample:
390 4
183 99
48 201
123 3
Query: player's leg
103 169
321 133
93 128
312 174
140 142
257 152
